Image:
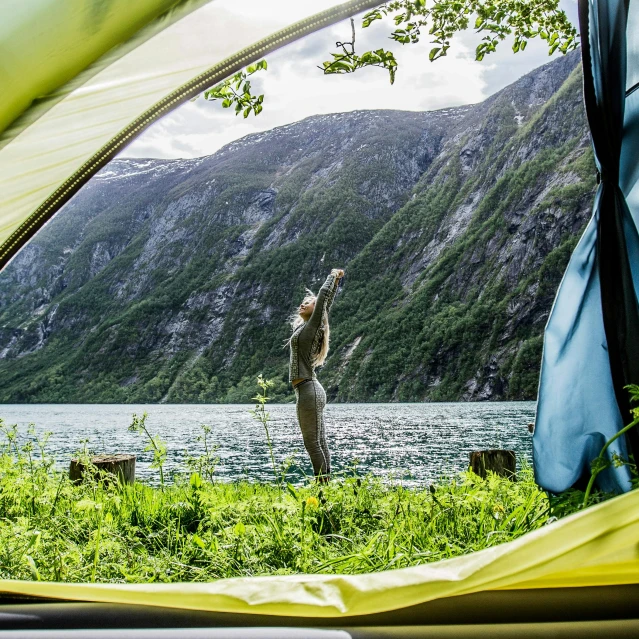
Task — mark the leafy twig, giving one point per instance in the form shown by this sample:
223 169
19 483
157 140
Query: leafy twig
157 445
236 90
600 463
205 464
348 61
261 415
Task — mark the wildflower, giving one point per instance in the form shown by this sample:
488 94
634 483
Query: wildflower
312 501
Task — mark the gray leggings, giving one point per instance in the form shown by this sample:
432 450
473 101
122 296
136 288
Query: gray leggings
311 399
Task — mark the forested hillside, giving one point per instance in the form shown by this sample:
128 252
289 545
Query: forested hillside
172 280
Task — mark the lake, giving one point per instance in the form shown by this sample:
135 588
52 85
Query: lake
415 442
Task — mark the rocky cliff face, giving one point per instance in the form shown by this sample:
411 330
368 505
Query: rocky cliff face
172 280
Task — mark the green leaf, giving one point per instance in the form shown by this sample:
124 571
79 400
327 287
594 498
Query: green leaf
34 540
239 529
339 66
433 53
32 567
291 490
199 542
87 504
196 481
370 17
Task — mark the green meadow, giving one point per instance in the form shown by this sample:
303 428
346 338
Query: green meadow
198 529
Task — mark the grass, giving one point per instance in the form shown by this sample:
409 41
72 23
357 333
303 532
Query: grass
199 530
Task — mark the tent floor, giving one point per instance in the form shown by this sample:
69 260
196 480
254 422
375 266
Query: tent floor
610 611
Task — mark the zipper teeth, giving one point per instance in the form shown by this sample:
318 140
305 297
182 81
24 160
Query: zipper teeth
215 74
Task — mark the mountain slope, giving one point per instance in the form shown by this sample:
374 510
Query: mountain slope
172 280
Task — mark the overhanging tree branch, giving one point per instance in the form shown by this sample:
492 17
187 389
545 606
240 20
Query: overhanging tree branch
441 19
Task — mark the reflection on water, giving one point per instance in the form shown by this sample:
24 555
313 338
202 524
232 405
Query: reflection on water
423 440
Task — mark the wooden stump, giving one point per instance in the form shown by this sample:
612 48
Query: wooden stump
500 462
108 466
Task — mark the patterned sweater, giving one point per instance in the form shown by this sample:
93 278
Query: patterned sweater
306 339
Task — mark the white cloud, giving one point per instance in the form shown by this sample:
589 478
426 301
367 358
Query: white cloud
295 88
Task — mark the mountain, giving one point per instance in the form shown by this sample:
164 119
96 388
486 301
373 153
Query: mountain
172 280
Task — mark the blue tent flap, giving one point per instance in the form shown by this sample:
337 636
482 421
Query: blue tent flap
591 344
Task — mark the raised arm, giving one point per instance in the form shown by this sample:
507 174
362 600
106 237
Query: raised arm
325 298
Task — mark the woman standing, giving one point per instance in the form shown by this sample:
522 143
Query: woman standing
308 349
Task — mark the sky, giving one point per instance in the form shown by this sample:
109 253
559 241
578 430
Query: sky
294 88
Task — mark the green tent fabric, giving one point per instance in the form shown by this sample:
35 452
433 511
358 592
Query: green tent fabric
45 43
109 77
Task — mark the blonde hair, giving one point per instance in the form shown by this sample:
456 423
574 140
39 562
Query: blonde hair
295 320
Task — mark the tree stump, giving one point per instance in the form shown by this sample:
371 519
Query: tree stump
500 462
108 466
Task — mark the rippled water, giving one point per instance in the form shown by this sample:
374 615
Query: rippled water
420 441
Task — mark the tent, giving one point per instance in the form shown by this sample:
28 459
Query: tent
82 79
591 350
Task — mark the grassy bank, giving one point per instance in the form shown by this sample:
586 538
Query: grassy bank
200 530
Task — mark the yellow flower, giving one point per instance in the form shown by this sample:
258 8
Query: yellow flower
312 501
